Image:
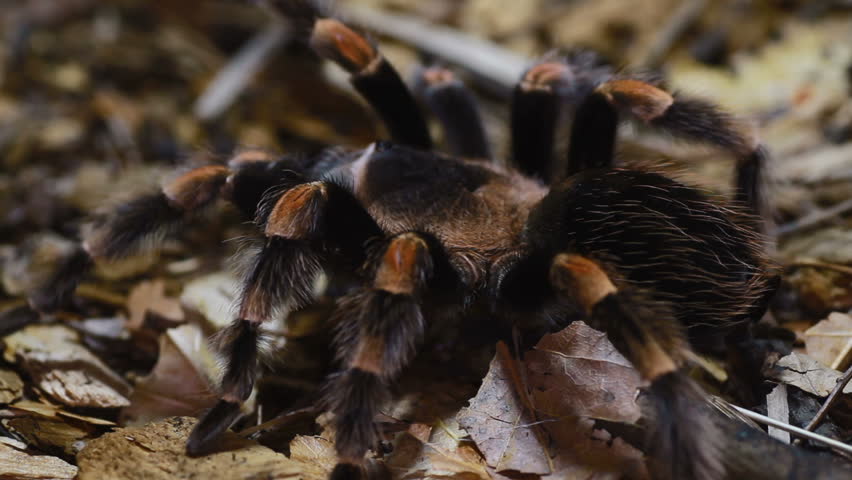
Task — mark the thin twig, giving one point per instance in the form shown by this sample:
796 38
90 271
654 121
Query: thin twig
832 398
233 78
801 432
277 422
815 218
679 22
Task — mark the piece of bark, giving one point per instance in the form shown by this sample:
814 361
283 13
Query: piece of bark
51 434
16 464
778 409
64 369
53 411
157 451
11 386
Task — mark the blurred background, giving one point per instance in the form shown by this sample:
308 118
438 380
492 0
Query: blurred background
103 99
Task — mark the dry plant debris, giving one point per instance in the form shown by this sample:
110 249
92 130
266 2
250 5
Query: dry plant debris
157 451
64 369
17 464
97 102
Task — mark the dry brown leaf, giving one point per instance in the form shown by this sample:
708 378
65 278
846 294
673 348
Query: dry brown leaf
149 297
583 452
807 374
577 371
502 427
157 451
426 452
829 340
181 381
557 442
19 465
64 369
313 457
11 386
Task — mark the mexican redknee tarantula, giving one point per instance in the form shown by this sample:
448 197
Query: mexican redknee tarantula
659 265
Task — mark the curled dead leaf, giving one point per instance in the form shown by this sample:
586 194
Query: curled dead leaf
181 382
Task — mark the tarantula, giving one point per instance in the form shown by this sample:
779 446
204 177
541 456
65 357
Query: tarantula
660 266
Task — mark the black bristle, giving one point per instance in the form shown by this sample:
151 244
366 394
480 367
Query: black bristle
354 396
534 117
132 223
592 135
702 121
282 272
346 471
682 439
397 319
387 94
749 182
239 344
457 111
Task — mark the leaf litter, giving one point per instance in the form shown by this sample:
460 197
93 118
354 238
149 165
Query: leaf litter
130 356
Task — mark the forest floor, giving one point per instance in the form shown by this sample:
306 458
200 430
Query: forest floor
100 101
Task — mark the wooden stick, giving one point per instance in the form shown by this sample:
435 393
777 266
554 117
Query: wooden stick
832 398
794 430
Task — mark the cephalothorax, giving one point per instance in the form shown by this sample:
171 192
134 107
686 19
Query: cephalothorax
660 266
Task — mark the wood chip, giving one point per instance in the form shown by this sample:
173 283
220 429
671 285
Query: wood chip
778 409
19 465
51 434
11 386
52 411
157 451
64 369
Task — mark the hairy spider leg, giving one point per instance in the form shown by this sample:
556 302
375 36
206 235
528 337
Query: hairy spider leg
593 136
379 327
296 220
456 109
682 439
375 79
145 221
536 106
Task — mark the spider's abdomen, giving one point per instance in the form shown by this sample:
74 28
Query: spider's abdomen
665 237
